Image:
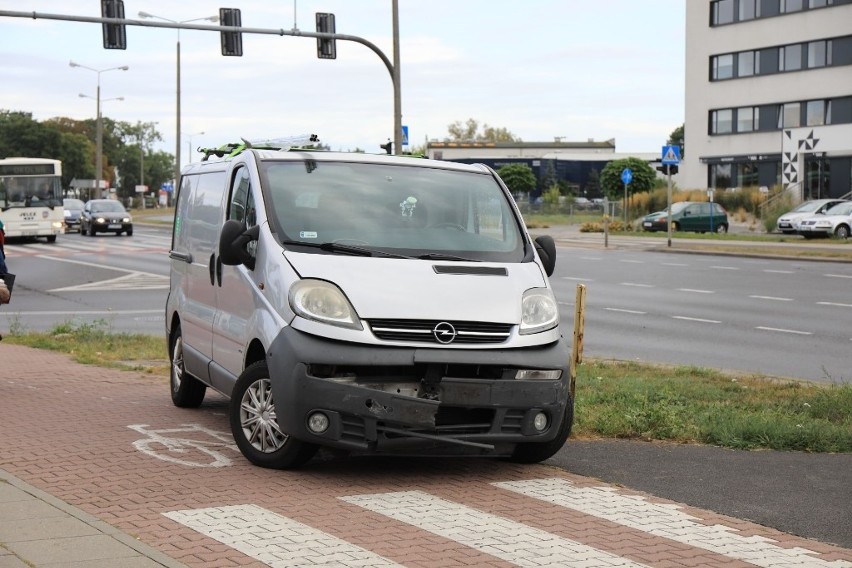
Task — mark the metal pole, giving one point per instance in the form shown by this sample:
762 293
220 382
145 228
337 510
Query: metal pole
99 143
177 120
397 95
669 208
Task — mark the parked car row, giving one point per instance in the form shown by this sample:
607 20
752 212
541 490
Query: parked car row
834 221
97 216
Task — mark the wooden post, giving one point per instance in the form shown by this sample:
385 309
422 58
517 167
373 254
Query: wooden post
579 331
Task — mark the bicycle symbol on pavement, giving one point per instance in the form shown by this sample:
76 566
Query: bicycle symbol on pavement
193 448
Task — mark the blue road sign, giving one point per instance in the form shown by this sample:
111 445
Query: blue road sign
405 135
626 175
671 155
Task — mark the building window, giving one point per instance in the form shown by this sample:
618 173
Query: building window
817 3
789 116
721 121
723 67
747 119
720 176
814 113
749 10
788 6
790 58
723 12
747 175
747 63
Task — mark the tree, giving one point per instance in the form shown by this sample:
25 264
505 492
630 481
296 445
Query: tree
519 178
469 132
676 138
610 179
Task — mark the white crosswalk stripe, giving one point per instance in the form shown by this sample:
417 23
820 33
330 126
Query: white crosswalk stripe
497 536
667 521
276 540
132 281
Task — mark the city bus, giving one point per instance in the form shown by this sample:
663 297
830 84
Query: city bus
31 197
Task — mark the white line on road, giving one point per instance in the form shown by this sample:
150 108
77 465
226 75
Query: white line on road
837 275
273 539
578 279
667 521
674 264
780 330
779 271
834 304
508 540
772 298
725 267
623 311
635 285
699 320
630 261
696 291
86 312
590 258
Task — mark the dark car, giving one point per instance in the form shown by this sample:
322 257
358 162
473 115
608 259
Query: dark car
73 209
697 216
105 216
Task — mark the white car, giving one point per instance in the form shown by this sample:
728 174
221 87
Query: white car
788 223
836 221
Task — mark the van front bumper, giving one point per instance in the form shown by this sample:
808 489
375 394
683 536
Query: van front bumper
423 400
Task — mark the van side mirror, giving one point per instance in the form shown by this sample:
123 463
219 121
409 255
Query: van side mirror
232 243
546 249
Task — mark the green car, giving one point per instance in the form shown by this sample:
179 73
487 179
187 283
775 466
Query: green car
697 216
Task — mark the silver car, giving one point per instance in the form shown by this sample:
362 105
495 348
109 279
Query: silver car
788 223
836 221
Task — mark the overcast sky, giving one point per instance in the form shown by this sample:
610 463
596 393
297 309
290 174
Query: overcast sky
573 69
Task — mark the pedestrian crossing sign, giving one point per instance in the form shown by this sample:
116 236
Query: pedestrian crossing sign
671 155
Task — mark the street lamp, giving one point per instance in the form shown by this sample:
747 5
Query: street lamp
189 145
213 19
99 123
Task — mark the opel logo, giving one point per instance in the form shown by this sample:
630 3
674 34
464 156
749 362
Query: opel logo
444 332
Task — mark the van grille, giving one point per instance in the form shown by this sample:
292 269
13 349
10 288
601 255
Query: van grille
424 331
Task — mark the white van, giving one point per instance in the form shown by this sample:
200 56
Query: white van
370 303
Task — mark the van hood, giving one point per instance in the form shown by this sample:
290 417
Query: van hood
425 289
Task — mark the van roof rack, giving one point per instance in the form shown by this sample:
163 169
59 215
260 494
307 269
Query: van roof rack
235 148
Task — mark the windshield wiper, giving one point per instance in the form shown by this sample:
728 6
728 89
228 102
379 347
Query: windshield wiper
441 256
345 249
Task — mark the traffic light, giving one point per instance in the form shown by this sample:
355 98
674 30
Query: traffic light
326 48
388 147
115 35
232 42
667 169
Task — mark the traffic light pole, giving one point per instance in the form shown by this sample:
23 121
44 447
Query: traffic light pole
393 68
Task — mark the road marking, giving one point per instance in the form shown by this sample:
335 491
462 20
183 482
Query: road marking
132 281
500 537
699 320
630 261
635 285
772 298
696 291
625 311
837 276
725 267
579 279
667 521
780 330
590 258
779 271
834 304
273 539
673 264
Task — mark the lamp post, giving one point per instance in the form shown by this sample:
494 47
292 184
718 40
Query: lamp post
213 19
189 145
98 122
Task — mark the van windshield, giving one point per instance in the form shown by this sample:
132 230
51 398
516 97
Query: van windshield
413 211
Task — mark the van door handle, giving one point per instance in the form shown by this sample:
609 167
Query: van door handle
219 270
211 267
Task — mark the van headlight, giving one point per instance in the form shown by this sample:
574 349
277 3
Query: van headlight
539 311
324 302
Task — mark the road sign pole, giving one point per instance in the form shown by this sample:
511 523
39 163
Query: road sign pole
669 207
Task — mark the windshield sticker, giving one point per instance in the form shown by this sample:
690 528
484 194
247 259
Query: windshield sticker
408 206
307 234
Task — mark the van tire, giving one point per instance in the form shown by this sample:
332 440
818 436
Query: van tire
540 451
252 413
187 391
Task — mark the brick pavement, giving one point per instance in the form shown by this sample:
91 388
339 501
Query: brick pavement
66 431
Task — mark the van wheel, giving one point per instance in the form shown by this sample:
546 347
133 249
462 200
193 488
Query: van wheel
536 452
187 391
255 427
